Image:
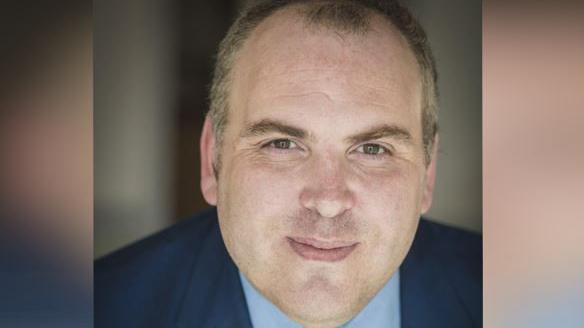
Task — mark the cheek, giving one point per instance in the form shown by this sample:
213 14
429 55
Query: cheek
255 201
391 191
390 203
254 204
264 188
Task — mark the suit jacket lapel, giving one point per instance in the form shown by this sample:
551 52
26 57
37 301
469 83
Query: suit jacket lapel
214 297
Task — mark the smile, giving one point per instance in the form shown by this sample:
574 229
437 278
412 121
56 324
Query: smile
317 250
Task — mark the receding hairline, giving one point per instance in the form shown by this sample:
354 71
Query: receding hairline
269 30
370 22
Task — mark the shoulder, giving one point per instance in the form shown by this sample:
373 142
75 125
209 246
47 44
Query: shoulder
445 239
147 276
456 252
442 276
159 248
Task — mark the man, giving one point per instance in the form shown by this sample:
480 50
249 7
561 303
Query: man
319 152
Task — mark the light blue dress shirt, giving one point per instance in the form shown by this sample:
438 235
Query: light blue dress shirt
382 311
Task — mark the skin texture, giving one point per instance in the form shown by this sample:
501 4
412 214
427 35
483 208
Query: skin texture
305 155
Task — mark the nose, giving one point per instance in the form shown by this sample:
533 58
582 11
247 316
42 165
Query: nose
326 191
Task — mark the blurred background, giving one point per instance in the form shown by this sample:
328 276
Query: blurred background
153 65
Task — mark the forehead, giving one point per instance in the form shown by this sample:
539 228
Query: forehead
284 41
285 56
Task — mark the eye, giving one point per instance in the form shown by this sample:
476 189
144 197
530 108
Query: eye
372 149
282 144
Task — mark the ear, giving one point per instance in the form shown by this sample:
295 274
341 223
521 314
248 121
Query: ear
430 177
207 148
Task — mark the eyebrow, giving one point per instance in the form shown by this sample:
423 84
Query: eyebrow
267 126
382 131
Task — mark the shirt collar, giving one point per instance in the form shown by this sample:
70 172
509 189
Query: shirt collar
382 311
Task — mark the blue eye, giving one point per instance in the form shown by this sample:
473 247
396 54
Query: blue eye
372 149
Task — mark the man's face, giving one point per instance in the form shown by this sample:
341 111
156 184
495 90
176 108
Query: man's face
323 176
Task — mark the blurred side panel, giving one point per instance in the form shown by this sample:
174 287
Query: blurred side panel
46 163
533 163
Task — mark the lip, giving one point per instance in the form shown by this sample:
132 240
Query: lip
321 250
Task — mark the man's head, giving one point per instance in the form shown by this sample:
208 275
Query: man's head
323 117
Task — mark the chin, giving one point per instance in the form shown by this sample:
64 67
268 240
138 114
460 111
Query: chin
318 314
318 303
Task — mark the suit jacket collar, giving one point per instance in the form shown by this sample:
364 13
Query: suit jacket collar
214 296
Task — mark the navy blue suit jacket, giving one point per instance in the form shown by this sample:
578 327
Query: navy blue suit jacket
184 277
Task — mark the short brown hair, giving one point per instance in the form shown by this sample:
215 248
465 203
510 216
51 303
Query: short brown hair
351 16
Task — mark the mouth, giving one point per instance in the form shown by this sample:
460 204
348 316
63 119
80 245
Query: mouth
319 250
